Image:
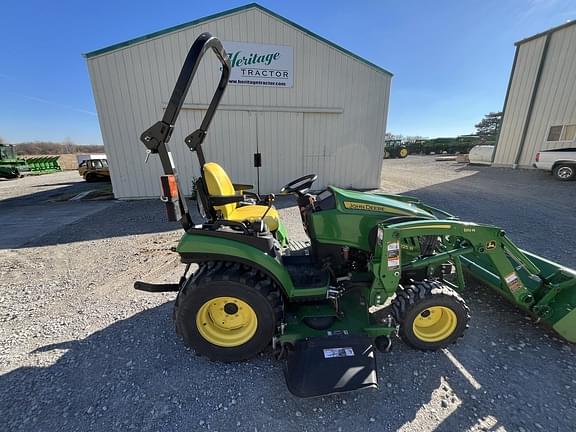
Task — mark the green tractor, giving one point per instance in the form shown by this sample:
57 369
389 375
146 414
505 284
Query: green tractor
10 165
376 265
395 149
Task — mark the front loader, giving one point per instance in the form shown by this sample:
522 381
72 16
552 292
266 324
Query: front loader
375 265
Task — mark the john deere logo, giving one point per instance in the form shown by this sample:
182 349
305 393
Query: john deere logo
491 245
365 206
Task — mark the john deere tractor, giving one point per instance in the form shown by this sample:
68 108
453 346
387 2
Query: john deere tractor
395 149
375 265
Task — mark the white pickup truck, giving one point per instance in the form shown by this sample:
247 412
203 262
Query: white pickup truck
562 163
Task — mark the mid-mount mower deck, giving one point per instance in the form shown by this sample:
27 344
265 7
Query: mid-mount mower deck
376 265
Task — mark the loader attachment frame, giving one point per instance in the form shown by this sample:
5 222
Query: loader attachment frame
543 288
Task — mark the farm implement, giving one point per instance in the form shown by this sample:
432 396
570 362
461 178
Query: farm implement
43 164
375 265
13 167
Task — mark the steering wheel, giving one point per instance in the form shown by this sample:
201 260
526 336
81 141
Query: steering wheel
300 185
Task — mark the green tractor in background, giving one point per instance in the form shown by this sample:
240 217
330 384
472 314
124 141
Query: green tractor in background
395 149
10 165
375 265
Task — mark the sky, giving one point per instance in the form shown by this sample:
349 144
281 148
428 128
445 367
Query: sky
451 60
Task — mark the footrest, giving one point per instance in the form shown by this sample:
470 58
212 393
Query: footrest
155 288
333 364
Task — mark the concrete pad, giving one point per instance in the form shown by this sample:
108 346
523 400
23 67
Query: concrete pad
23 224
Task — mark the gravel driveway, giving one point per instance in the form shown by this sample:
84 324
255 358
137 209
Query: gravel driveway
80 350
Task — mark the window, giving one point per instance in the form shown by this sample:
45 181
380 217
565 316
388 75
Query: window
562 133
568 133
554 133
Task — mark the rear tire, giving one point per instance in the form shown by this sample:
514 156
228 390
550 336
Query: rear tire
431 315
228 312
564 172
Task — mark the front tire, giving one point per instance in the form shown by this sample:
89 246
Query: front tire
228 312
430 314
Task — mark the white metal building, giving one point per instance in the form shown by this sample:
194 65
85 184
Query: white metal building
305 104
540 104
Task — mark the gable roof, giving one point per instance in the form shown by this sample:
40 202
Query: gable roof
546 32
223 14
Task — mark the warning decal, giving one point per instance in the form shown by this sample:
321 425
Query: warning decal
513 282
393 250
336 332
338 352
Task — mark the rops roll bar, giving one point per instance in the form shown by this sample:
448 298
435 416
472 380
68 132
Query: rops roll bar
156 137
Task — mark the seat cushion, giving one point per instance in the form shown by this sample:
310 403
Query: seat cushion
253 213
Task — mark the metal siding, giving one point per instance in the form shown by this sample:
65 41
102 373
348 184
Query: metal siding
517 105
554 103
133 84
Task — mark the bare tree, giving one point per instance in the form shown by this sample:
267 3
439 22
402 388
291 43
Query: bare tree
68 146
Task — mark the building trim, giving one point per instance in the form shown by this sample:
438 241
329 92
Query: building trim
532 100
228 12
547 32
262 108
506 100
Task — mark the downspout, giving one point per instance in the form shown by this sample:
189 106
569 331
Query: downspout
532 100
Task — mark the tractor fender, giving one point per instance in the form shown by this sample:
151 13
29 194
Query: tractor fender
196 248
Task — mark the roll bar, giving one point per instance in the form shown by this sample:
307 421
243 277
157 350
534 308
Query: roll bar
156 137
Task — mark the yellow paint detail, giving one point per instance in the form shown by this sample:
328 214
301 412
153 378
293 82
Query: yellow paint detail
430 226
352 205
226 321
434 324
403 152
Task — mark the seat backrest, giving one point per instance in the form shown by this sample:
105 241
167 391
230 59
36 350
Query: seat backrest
218 183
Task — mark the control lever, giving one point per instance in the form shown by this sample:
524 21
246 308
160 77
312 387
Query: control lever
270 198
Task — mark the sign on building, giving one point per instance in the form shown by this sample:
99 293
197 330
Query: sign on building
260 65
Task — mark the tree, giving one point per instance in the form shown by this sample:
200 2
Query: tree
1 140
489 128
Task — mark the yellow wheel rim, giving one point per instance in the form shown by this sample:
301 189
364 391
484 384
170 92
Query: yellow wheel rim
434 324
403 152
226 321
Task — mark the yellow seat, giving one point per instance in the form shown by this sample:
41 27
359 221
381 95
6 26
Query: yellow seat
218 183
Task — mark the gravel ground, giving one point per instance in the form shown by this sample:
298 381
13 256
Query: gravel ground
80 350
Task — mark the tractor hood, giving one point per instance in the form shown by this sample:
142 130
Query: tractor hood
380 205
